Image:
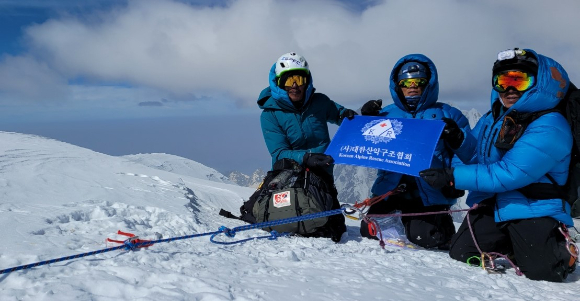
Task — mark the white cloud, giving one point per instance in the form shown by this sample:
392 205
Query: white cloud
183 49
27 78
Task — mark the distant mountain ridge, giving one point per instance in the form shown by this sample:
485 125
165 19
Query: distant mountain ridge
242 179
472 116
179 165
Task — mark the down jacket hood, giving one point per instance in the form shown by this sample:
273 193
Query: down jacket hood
430 92
551 85
274 97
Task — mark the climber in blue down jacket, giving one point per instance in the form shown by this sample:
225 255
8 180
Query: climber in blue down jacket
515 159
414 88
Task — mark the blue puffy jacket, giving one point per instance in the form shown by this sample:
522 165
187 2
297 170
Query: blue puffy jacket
427 108
290 132
544 148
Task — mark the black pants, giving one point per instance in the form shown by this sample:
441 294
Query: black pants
537 246
427 231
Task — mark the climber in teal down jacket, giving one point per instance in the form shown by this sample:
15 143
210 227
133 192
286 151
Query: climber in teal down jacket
295 128
295 121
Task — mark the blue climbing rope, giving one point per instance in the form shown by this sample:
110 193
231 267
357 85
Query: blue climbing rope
232 232
131 245
273 236
127 245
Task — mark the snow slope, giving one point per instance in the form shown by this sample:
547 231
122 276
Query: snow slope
178 165
58 199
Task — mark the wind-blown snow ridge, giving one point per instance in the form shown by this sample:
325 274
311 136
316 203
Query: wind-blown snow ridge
57 200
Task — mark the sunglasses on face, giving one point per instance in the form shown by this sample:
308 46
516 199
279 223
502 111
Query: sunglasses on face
519 80
408 82
289 81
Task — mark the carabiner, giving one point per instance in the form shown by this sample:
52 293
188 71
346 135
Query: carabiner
491 261
349 211
372 227
570 244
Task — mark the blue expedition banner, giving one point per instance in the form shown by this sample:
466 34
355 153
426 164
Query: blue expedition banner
395 144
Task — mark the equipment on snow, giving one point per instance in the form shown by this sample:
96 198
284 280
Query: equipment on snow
133 239
392 231
290 190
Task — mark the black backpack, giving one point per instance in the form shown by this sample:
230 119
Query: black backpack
290 190
569 106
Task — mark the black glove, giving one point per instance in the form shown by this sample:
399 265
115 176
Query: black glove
337 227
452 134
348 114
372 107
315 160
438 177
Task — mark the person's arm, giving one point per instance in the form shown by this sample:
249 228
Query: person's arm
335 112
545 143
276 140
466 152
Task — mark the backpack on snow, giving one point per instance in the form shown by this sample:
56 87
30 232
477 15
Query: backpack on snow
289 190
569 106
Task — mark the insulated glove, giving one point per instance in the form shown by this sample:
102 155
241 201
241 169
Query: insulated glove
438 177
348 113
452 134
372 107
315 160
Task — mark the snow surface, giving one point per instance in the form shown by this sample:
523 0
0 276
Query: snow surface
57 199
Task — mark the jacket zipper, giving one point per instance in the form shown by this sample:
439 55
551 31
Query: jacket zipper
491 143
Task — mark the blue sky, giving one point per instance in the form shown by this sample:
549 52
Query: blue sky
124 77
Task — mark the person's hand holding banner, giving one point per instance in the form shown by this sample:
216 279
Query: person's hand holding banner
438 177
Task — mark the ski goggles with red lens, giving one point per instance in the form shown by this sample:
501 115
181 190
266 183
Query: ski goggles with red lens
288 81
519 80
408 82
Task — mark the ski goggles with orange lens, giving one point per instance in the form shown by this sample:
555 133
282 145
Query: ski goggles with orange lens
288 81
519 80
408 82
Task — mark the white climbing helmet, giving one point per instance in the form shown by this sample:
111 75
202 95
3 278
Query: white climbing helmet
291 61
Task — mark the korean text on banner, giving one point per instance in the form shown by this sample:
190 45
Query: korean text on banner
395 144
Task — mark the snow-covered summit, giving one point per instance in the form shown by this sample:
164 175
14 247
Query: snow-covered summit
57 200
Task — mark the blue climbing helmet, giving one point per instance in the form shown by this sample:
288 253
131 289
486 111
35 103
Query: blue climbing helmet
412 70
